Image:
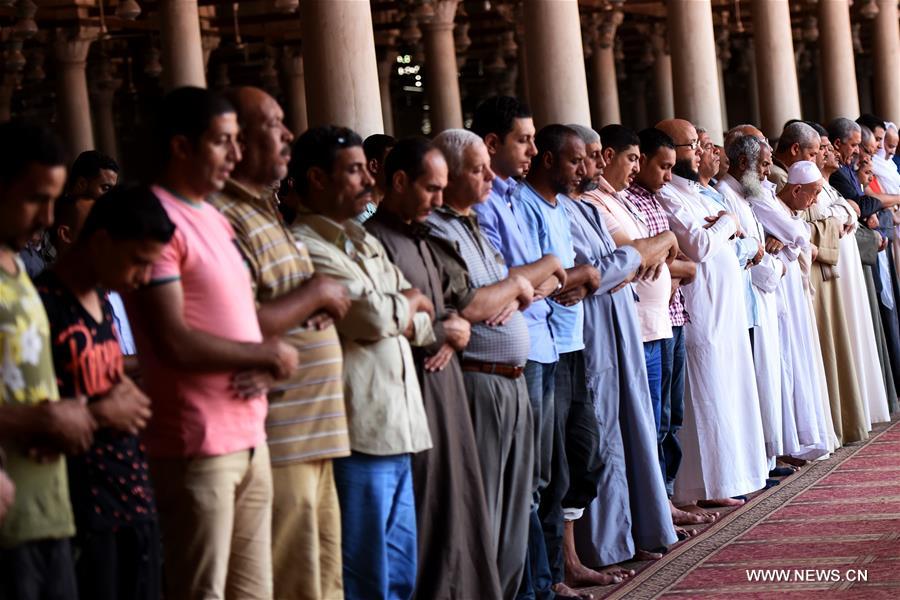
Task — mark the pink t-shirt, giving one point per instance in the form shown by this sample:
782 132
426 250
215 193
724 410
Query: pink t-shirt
197 414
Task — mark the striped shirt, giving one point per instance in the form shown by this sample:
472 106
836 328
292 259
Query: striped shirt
657 222
307 419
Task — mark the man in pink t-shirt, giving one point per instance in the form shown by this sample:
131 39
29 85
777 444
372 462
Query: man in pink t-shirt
205 366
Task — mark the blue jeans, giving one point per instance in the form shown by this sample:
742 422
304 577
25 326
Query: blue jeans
540 379
653 352
672 413
378 525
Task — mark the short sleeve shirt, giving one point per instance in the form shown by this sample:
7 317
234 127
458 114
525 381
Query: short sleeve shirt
549 225
505 344
198 414
109 484
41 509
502 221
306 419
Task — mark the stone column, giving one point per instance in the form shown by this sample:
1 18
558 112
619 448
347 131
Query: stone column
7 88
553 44
441 74
639 119
340 47
605 91
295 89
696 82
182 46
387 58
662 75
720 67
522 76
102 99
838 71
886 55
71 50
779 94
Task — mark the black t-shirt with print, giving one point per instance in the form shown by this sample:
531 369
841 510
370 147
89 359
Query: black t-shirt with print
109 484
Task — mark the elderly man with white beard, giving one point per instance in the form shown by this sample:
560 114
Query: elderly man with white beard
722 439
806 432
763 273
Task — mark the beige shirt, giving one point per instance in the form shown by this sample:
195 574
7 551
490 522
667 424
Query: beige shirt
381 391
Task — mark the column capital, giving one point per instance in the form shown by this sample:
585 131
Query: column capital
71 46
385 57
608 27
659 39
103 80
209 42
443 17
292 61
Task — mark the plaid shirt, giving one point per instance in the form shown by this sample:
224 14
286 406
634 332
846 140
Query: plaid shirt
646 202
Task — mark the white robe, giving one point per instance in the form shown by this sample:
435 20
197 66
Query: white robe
722 439
852 285
765 279
805 431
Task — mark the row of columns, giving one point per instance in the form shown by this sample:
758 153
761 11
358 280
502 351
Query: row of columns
352 84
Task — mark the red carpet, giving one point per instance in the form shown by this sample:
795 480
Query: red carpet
831 531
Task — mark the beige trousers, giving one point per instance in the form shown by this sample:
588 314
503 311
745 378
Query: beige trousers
306 532
216 518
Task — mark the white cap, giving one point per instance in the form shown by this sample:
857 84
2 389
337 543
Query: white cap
803 172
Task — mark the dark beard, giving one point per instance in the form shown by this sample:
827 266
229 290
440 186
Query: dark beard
587 185
682 168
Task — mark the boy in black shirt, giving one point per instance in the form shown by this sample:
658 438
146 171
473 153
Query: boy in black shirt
117 541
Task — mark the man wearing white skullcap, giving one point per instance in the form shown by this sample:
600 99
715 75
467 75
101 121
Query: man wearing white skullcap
806 431
812 424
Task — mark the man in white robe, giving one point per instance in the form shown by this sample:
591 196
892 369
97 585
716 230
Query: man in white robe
805 427
852 286
764 272
722 438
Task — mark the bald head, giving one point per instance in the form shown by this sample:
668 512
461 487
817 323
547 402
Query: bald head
266 140
687 146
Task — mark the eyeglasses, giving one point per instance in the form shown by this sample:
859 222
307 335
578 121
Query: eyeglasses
693 145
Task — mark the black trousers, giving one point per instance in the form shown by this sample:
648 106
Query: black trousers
117 564
576 464
39 570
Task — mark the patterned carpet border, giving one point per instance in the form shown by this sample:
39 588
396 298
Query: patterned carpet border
657 578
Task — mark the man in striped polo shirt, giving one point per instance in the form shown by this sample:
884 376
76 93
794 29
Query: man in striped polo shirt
306 424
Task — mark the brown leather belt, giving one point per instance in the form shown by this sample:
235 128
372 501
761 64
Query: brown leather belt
493 369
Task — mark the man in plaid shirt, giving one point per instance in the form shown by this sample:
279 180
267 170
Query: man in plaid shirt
657 159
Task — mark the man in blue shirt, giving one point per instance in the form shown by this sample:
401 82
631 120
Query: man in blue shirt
557 171
506 126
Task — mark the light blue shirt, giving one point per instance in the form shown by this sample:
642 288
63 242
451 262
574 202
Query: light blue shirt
549 225
126 340
502 220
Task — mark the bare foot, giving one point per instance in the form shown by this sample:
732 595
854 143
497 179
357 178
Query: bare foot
618 571
645 555
692 515
796 462
684 534
714 502
563 591
578 575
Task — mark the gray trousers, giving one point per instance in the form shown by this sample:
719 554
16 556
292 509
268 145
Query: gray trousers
501 418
